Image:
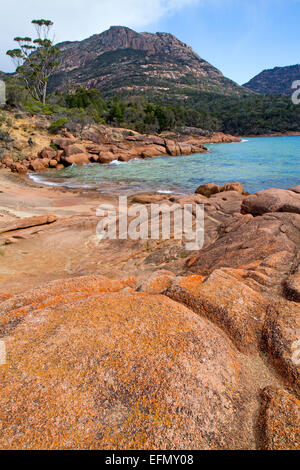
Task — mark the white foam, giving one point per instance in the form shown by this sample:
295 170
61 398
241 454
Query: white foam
116 162
40 180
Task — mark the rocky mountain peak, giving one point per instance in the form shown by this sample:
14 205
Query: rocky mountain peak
276 81
122 59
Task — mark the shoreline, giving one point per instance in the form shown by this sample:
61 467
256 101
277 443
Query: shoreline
277 134
96 144
68 247
116 187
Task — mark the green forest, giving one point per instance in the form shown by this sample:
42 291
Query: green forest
150 113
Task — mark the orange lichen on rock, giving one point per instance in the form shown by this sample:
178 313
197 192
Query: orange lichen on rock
226 301
123 371
279 420
158 282
55 293
281 340
191 282
4 297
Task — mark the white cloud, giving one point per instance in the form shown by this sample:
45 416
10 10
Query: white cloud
78 19
137 13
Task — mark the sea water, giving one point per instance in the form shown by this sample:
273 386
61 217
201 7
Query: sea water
259 163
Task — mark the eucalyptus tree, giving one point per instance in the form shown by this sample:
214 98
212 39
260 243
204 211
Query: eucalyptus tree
36 59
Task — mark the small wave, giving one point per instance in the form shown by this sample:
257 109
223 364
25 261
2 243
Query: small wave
245 140
164 191
40 180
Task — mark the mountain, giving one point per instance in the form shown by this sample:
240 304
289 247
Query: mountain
124 61
277 81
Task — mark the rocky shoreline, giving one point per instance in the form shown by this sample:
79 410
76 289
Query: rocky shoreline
278 134
140 344
31 148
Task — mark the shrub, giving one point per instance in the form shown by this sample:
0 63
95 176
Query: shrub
54 147
79 119
57 125
32 107
15 92
5 137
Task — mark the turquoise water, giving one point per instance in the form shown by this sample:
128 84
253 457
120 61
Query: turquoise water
259 163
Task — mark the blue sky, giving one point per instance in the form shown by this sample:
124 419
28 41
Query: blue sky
240 37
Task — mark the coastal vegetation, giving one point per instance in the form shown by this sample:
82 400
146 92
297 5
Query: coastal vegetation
251 115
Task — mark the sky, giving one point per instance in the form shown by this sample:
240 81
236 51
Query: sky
239 37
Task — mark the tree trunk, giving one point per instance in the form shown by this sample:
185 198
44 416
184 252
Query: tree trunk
44 93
